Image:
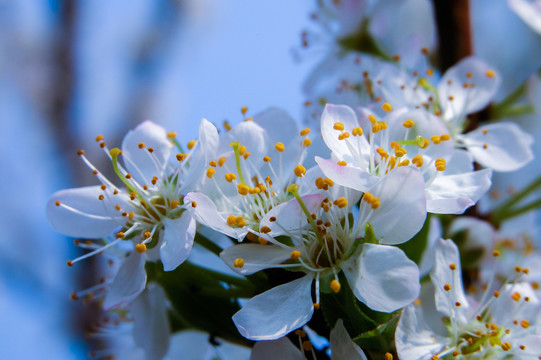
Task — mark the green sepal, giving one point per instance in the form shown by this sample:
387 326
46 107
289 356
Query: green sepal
369 235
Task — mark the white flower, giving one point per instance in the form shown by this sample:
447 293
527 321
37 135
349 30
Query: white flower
368 149
501 326
150 209
342 347
529 11
380 275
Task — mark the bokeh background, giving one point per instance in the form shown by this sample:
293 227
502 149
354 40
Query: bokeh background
70 70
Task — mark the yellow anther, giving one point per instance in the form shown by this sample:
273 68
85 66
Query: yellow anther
496 294
455 353
306 142
174 204
335 286
265 229
452 267
140 248
458 304
429 72
295 254
451 98
490 73
242 189
495 253
171 134
238 263
343 136
338 126
191 144
408 124
436 139
230 177
221 161
506 346
231 220
447 287
279 147
99 138
387 107
57 202
375 203
305 132
516 296
525 324
227 127
372 119
417 160
213 163
328 182
469 75
317 306
246 155
342 163
299 170
147 234
399 152
262 241
242 150
382 153
422 142
243 110
69 263
120 235
435 357
103 187
357 131
240 221
341 202
210 172
440 164
445 137
388 356
405 162
181 157
80 152
266 158
518 269
194 204
114 152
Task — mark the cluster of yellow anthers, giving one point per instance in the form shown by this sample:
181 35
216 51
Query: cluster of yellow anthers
372 200
323 184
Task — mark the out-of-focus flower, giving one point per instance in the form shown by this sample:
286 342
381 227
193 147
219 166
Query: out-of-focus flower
529 11
380 275
365 150
502 325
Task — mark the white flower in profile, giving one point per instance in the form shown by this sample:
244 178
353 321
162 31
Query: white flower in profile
503 325
365 150
342 347
325 241
151 208
254 163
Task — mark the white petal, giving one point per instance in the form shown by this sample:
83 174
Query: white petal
479 232
508 148
347 176
466 100
402 209
89 216
138 161
281 349
383 277
278 124
529 12
446 255
340 148
290 216
150 322
128 283
342 347
256 257
455 193
276 312
177 242
414 338
249 134
207 214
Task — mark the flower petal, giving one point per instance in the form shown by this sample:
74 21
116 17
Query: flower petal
256 257
383 277
81 214
455 193
281 349
289 216
177 242
207 214
128 283
347 176
508 148
402 209
138 161
342 347
448 282
276 312
458 100
528 11
150 322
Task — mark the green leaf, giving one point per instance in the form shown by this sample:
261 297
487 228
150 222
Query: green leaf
415 247
381 337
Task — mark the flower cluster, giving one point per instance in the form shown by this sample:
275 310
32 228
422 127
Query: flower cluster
333 227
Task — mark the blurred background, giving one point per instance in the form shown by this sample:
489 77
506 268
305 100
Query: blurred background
70 70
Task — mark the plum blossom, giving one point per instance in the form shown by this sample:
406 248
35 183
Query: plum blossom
503 325
326 240
366 149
